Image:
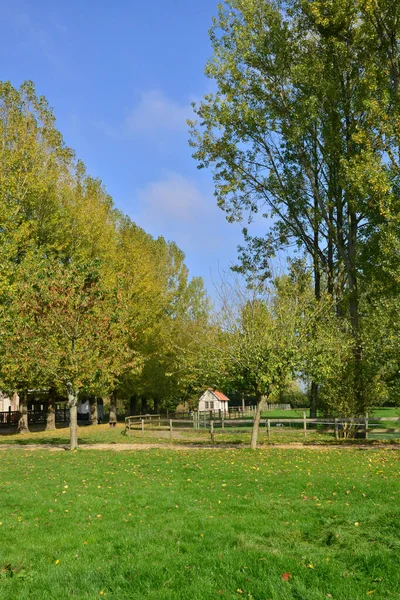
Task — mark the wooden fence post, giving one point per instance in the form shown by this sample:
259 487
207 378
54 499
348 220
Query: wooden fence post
142 426
366 426
305 425
336 429
212 431
170 429
269 429
223 419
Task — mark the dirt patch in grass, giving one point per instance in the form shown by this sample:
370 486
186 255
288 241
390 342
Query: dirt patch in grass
185 447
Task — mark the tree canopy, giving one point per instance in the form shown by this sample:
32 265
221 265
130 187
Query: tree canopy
303 128
89 302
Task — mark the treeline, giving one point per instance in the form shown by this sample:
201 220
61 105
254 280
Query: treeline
303 129
90 304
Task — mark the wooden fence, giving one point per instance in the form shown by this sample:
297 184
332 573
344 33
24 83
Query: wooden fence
10 418
361 427
233 412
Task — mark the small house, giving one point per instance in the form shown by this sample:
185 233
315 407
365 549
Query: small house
212 400
7 403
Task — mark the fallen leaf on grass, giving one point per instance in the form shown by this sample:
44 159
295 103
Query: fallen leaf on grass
286 576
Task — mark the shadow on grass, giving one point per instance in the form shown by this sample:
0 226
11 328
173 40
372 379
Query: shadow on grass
54 441
56 437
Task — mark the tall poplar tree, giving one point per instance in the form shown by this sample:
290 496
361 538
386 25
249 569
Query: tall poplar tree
298 130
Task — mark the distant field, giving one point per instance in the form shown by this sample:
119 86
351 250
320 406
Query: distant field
386 412
200 524
298 413
295 413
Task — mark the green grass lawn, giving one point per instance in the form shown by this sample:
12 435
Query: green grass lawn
294 413
200 524
386 411
297 413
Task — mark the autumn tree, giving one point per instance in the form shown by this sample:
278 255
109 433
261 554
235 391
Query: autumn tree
79 329
164 304
87 298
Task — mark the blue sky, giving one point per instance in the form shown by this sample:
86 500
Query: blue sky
120 77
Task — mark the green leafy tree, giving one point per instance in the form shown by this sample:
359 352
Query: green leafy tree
80 330
255 341
303 128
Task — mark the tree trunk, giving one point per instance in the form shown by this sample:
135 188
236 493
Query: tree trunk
355 314
254 432
73 416
317 294
330 273
51 411
23 426
113 409
133 405
313 400
94 417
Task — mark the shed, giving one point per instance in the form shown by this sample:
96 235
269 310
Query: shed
213 400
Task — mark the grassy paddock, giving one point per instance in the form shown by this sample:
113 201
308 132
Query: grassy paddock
200 524
103 434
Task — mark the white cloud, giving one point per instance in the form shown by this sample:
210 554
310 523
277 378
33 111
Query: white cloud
174 197
176 208
155 113
185 211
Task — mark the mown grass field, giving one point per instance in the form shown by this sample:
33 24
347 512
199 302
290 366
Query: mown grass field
200 524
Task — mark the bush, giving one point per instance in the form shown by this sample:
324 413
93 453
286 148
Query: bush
296 398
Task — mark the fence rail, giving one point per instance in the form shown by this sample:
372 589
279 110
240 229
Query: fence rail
11 417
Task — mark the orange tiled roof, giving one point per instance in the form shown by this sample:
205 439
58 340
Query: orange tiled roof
220 396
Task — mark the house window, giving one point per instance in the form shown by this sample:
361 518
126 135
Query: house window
212 405
206 404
